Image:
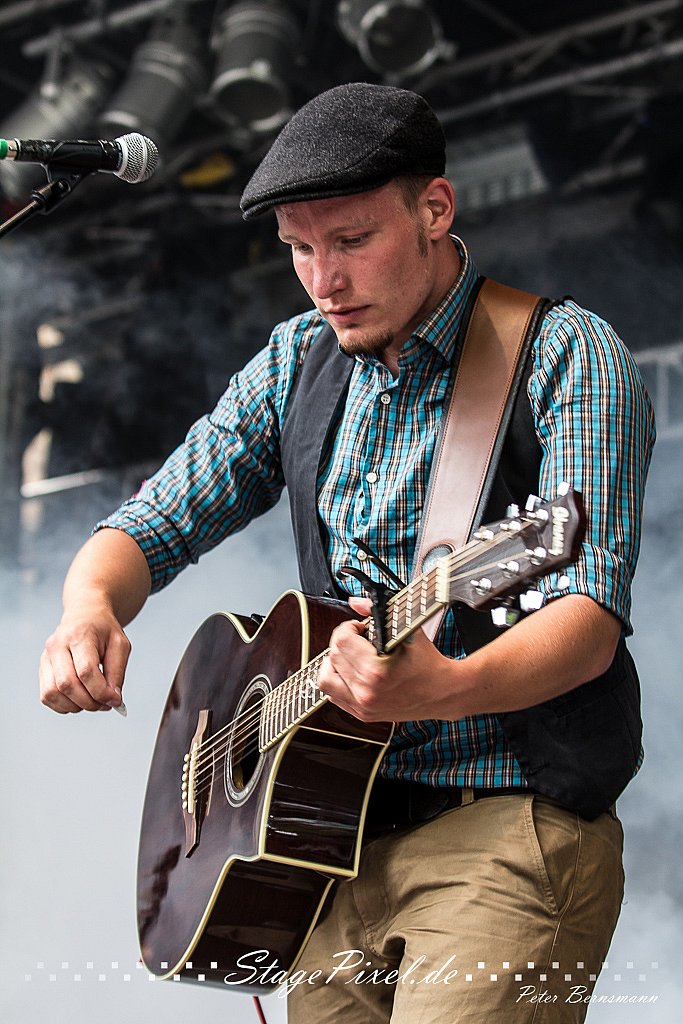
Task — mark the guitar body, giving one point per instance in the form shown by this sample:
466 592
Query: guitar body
259 785
249 868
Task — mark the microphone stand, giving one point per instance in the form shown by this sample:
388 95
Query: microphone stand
45 199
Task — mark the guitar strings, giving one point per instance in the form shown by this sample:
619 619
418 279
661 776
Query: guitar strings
250 713
247 720
250 724
249 716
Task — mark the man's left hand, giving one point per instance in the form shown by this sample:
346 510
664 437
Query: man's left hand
567 642
404 685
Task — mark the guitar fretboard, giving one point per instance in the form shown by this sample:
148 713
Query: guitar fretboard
299 695
495 564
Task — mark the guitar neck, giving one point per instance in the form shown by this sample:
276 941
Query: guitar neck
299 695
498 562
414 605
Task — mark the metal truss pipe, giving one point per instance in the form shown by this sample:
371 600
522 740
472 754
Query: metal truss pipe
567 80
99 26
557 38
27 8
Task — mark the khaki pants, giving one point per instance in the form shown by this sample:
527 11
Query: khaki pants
502 909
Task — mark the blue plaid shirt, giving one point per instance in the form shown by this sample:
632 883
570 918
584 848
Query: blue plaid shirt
593 420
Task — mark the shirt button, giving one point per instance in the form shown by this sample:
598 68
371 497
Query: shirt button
385 398
371 477
361 556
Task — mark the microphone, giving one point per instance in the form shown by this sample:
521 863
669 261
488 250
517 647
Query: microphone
132 157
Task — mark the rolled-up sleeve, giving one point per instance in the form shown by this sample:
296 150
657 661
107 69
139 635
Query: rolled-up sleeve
595 423
226 472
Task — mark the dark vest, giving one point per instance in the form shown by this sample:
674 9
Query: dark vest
580 748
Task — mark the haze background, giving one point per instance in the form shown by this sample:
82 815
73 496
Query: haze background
73 785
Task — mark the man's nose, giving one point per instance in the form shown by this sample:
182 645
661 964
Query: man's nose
328 276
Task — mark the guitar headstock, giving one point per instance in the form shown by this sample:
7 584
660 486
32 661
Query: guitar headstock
504 557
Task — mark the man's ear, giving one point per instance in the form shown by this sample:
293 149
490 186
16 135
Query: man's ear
439 206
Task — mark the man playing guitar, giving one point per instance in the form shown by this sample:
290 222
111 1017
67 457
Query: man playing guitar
484 891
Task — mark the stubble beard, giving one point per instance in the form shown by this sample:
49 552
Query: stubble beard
367 344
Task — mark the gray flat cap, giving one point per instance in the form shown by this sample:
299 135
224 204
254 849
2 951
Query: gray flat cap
352 138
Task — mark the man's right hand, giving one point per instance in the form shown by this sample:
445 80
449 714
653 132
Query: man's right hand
83 663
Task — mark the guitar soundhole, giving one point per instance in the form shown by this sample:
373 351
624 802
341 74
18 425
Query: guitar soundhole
244 762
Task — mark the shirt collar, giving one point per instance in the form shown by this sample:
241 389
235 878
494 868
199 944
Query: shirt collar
440 328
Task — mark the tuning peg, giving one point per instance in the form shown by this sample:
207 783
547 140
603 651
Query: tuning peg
504 617
511 525
536 555
532 503
482 586
512 511
531 601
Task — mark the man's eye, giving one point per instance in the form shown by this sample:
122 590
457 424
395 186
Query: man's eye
301 247
355 240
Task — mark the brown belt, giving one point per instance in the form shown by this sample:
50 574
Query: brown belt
396 804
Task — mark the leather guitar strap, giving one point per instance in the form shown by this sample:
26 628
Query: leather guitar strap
501 328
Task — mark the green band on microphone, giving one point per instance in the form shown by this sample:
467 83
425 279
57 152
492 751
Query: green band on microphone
3 148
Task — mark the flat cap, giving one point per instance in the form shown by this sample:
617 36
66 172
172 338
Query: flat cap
352 138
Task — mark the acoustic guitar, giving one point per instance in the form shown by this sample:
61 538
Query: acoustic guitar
259 785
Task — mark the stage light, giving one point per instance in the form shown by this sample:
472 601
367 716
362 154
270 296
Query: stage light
63 107
256 42
166 76
394 37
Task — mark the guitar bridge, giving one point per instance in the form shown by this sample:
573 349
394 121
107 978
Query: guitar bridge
195 791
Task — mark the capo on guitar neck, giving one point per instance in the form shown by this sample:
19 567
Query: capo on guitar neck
379 593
